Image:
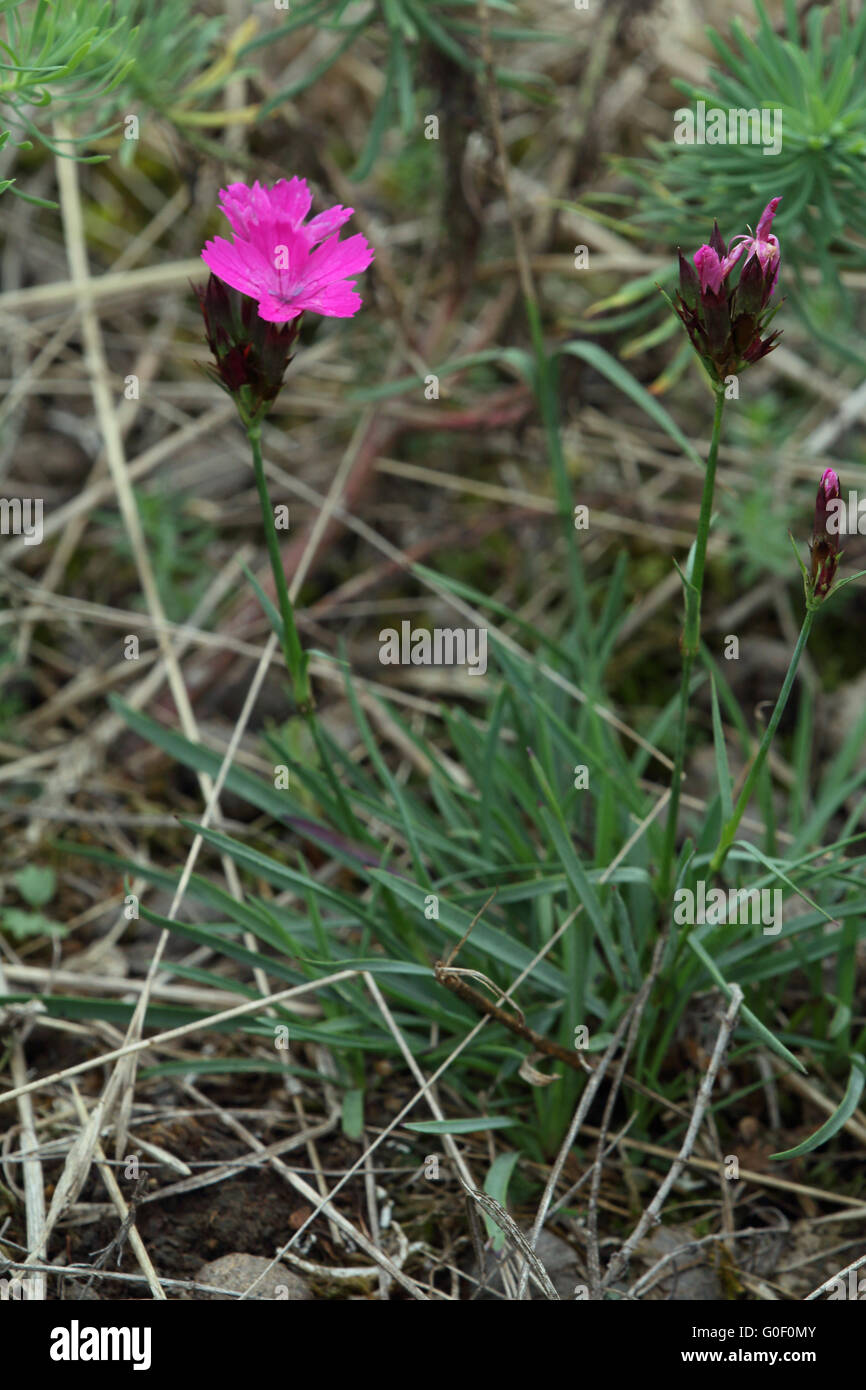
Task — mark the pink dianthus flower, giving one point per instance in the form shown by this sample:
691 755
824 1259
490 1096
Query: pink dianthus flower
284 262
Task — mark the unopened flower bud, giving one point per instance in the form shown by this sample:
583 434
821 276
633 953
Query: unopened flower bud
824 547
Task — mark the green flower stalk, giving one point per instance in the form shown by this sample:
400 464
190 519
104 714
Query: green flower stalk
250 361
277 266
726 318
817 582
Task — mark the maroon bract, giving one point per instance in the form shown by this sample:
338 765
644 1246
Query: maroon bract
250 354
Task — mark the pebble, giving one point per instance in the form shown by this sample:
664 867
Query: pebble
238 1271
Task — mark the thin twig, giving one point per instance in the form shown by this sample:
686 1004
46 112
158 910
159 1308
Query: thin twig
652 1214
586 1099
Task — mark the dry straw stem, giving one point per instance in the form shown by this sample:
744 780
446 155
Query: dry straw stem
34 1191
89 1272
635 1010
144 369
54 1148
856 1208
607 521
120 1087
654 1273
42 978
211 423
425 1086
619 1076
855 1124
452 978
473 615
452 981
426 1090
652 1215
75 1173
310 1195
120 1205
183 1030
115 285
828 1283
497 1213
259 1153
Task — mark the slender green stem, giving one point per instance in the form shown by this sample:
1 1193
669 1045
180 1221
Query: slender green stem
692 631
296 659
548 404
545 375
690 643
726 838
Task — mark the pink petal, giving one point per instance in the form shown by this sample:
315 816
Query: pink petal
339 301
243 206
269 228
326 222
223 259
291 200
709 268
335 260
733 256
766 219
768 252
283 241
830 483
275 310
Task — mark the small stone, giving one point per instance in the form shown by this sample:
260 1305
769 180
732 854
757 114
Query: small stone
692 1277
237 1272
